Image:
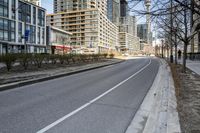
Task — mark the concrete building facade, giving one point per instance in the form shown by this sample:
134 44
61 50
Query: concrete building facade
195 45
88 22
12 27
129 42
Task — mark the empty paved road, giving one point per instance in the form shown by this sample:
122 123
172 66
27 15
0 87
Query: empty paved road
98 101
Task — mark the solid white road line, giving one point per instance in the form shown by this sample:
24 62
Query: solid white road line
90 102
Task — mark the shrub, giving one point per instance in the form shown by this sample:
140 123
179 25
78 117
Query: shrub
95 57
53 58
38 59
111 55
47 58
25 59
105 55
84 57
8 60
75 58
62 59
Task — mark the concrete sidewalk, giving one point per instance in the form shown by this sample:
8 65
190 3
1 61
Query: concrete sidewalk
194 66
158 113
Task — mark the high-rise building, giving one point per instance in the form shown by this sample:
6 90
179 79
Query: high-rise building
74 5
128 24
87 20
195 42
128 39
113 12
123 8
12 27
142 32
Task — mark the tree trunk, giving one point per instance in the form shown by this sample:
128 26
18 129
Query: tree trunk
167 51
186 39
176 51
176 62
185 55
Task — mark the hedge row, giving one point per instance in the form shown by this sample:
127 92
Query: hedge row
25 60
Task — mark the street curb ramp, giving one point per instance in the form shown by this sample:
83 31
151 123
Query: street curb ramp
158 113
37 80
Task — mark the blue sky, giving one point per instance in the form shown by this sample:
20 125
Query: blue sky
48 4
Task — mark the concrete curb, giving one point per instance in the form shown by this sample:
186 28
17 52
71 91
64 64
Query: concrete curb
158 113
32 81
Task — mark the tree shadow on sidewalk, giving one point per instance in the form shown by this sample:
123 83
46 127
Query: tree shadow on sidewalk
188 98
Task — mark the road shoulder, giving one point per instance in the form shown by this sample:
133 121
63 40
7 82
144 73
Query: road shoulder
158 113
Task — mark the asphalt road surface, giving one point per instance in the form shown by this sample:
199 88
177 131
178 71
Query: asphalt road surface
98 101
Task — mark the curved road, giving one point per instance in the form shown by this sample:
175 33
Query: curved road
98 101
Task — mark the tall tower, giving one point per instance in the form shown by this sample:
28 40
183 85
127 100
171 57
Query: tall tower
148 21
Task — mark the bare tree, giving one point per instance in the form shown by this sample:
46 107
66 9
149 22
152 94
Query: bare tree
180 29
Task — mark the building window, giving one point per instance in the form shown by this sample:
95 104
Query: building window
13 9
41 17
28 13
32 34
12 31
20 5
24 10
19 32
1 29
42 36
34 15
4 8
12 38
4 29
5 34
38 35
28 27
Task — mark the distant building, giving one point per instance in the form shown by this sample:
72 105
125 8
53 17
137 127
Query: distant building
12 28
128 24
113 11
128 39
142 32
92 30
128 42
195 43
123 8
58 41
74 5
